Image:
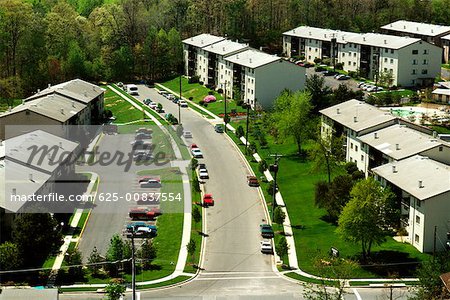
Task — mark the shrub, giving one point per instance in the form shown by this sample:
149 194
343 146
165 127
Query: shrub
270 188
205 105
201 82
327 61
240 102
301 57
339 66
194 163
193 79
353 74
191 98
210 93
220 91
262 166
317 60
202 103
278 215
239 131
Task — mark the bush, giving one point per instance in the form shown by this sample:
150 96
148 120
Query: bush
201 82
301 57
319 69
240 102
211 93
262 166
194 163
202 103
191 98
278 215
220 91
327 61
339 66
270 188
317 60
205 105
353 74
351 168
194 79
240 131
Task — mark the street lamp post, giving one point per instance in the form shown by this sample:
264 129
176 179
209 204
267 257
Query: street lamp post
225 107
246 129
133 266
274 169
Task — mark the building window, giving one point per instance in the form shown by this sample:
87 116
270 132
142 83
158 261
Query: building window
424 71
415 52
343 54
343 46
316 50
392 60
309 57
385 69
385 59
356 148
351 145
425 62
413 72
349 63
391 71
417 220
418 203
362 157
392 51
354 54
441 148
414 62
354 64
386 50
416 238
425 51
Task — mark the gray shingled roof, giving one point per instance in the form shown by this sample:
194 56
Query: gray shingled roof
417 28
252 58
225 47
322 34
383 40
203 40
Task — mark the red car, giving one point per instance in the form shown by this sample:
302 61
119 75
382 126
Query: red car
194 146
208 200
142 214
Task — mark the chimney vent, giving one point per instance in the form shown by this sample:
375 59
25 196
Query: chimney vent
394 169
237 56
420 184
250 60
62 110
310 33
364 38
223 49
337 111
23 101
1 142
73 103
39 90
434 134
49 85
417 28
60 145
404 26
201 42
397 146
375 135
9 108
355 119
14 191
293 31
30 176
385 42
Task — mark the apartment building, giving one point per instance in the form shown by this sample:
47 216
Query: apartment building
430 33
410 61
195 62
212 61
446 46
22 173
354 119
258 78
423 188
313 42
79 91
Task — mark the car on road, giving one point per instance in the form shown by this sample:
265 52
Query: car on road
343 77
142 232
141 214
266 231
142 156
203 174
218 128
208 200
182 103
266 246
374 89
147 101
304 64
176 100
141 144
328 73
144 130
150 183
142 136
153 105
135 225
197 153
187 134
252 181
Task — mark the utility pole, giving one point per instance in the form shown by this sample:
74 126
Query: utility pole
248 116
434 241
274 169
133 266
225 101
333 49
181 97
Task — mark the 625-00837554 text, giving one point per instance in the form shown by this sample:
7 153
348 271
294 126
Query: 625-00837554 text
143 197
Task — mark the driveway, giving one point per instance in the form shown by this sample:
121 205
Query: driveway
334 83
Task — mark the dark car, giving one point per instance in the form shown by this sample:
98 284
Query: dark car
329 73
218 128
266 230
343 77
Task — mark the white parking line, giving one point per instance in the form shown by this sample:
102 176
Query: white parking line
358 296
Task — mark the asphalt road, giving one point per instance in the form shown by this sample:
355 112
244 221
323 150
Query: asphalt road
334 83
233 265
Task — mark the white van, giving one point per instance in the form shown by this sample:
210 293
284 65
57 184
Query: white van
132 89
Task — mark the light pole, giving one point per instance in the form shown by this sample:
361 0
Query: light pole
133 266
333 49
246 131
225 106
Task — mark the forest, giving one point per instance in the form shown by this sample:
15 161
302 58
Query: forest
49 41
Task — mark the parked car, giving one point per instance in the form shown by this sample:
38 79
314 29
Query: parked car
153 105
142 136
343 77
193 146
147 101
162 92
176 100
201 166
360 84
196 153
135 225
187 134
208 200
141 214
142 156
203 174
252 181
151 183
218 128
142 232
141 144
328 73
182 103
266 246
266 231
144 130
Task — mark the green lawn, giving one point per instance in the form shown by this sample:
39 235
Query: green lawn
198 92
441 129
314 236
123 111
5 103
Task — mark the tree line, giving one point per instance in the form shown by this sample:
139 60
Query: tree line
48 41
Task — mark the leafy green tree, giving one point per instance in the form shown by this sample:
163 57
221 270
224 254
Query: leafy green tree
115 290
37 236
196 216
147 253
75 66
93 259
327 152
282 247
191 246
176 50
430 284
240 131
319 92
74 259
10 258
114 253
291 117
262 166
369 216
279 215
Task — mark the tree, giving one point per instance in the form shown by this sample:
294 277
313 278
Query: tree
279 215
37 236
282 247
430 284
196 216
94 258
315 85
74 258
369 216
114 253
115 290
10 258
240 131
147 253
386 78
291 116
326 152
191 246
